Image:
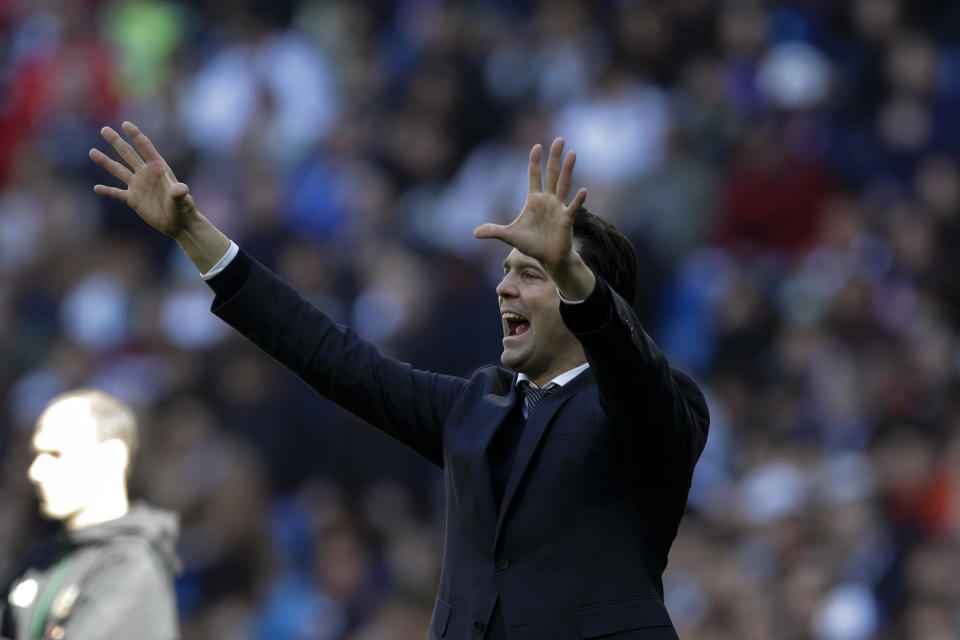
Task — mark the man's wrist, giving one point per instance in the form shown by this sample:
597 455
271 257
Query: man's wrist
592 313
191 226
223 262
574 279
203 243
565 300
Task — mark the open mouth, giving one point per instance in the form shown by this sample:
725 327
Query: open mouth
516 324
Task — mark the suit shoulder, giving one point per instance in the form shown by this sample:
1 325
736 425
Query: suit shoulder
691 392
492 379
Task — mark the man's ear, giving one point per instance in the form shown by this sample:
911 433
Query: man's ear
115 453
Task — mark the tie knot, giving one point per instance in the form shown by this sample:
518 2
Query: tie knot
532 394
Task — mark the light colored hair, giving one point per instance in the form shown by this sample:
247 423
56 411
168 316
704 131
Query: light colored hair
112 417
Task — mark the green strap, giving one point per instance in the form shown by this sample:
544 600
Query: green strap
46 598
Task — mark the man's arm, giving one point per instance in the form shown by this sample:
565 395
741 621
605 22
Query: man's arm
154 192
409 405
659 413
405 403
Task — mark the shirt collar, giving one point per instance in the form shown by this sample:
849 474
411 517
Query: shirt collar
561 379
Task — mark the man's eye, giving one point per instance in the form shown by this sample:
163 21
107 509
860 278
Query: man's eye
531 274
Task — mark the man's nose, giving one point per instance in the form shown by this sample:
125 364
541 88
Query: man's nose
507 287
33 471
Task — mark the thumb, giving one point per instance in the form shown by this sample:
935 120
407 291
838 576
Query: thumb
182 199
179 190
490 230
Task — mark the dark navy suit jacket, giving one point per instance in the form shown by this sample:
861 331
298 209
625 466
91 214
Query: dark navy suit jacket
598 483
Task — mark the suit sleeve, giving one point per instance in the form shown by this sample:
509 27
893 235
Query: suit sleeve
659 411
128 594
405 403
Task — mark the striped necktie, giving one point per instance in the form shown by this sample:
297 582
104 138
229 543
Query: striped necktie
532 395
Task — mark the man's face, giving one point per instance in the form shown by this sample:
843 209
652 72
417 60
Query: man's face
535 339
66 471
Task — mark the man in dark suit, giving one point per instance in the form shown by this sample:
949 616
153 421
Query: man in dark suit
565 481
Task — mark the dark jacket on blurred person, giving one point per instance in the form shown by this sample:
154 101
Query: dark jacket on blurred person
566 534
106 581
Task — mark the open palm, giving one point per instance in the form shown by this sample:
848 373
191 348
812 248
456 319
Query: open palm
544 228
152 189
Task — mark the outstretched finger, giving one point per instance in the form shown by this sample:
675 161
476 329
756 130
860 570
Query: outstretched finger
533 170
113 167
566 176
553 166
144 146
577 201
495 231
126 152
488 230
111 192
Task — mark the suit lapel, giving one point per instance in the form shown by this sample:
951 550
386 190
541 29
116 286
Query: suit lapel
492 412
533 431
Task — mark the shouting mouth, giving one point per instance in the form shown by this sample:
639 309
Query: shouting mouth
514 324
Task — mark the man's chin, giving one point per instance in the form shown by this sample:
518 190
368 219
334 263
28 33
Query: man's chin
516 349
511 359
51 512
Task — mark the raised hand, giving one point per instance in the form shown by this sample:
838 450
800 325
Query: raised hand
158 197
152 189
544 228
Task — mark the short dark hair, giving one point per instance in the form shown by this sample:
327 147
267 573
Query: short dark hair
608 253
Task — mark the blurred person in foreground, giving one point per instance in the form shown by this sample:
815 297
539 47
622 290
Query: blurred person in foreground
566 478
109 573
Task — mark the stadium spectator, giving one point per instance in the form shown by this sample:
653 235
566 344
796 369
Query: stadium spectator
109 573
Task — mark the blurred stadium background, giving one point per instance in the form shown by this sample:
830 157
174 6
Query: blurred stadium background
787 170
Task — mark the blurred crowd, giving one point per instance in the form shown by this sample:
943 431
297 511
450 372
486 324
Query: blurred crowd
788 171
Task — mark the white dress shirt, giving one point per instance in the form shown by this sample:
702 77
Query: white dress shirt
559 380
